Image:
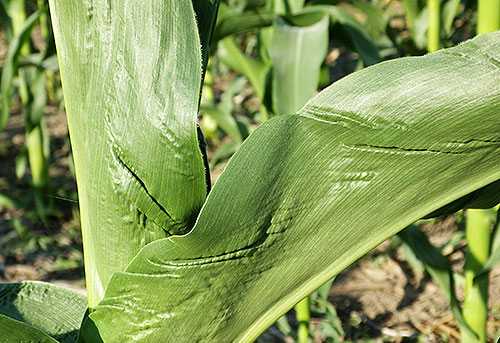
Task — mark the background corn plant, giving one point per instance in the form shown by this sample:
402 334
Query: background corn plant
270 207
30 71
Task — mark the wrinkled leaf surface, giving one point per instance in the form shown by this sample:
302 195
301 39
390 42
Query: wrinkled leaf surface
308 194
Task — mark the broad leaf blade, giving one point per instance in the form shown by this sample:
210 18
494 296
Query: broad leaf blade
14 331
297 50
308 194
52 309
131 76
485 197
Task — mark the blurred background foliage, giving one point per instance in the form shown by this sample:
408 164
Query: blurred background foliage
268 57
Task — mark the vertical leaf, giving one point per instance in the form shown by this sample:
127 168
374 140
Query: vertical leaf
10 64
297 50
131 75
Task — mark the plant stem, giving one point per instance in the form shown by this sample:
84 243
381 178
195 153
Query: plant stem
303 317
434 7
488 16
36 133
39 168
475 310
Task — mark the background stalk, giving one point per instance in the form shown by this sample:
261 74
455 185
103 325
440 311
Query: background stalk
303 317
433 42
475 310
478 224
33 104
488 16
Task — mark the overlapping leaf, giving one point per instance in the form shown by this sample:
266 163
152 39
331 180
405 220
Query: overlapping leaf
308 194
31 311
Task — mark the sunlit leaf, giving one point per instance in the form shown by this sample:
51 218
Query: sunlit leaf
357 35
308 194
131 75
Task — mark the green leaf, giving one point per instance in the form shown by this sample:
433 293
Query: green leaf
356 33
412 11
225 120
10 64
131 75
235 24
54 310
419 33
14 331
308 194
206 15
254 70
384 36
450 11
494 258
485 197
5 20
437 266
297 50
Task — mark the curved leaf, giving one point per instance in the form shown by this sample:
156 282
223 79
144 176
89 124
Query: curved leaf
298 48
308 194
132 102
54 310
485 197
14 331
235 24
356 33
494 258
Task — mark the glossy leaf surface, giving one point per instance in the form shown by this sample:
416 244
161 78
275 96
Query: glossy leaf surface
308 194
